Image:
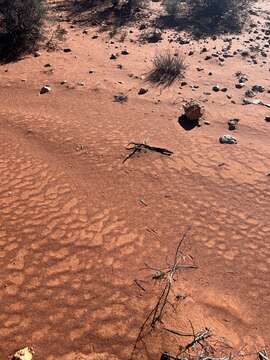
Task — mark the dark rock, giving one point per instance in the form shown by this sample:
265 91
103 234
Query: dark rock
258 88
239 86
142 91
120 98
216 88
153 36
183 40
242 79
232 124
113 57
245 53
249 93
45 89
165 356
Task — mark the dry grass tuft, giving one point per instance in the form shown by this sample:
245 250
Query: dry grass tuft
167 68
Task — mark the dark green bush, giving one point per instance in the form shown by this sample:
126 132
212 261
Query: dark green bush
226 12
172 7
210 16
20 26
127 7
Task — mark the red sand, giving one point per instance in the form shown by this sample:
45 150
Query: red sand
74 234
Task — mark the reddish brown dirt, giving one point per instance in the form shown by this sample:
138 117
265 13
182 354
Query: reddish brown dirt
74 234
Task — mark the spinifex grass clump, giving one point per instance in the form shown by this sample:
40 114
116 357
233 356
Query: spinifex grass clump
167 68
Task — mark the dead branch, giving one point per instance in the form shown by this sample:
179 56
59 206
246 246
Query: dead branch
167 356
160 306
142 329
162 301
179 333
137 147
199 348
262 355
139 285
156 314
202 335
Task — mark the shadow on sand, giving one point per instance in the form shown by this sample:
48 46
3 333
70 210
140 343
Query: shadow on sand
187 124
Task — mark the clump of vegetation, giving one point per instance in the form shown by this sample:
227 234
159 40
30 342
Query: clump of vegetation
167 68
123 36
229 14
128 6
58 35
209 16
172 7
20 26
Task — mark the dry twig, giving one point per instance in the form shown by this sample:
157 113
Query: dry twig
168 275
202 335
137 147
262 355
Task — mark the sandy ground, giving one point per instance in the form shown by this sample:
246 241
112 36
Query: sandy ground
77 225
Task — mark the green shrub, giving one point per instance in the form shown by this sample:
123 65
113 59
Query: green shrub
127 7
209 16
223 14
172 7
21 25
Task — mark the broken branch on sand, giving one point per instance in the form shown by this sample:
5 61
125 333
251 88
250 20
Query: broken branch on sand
139 285
137 147
167 356
202 335
157 312
205 351
262 355
179 333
